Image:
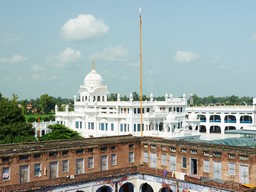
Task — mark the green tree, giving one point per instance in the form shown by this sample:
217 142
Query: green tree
13 127
60 132
47 103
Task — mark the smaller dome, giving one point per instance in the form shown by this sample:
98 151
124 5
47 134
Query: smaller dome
192 117
171 117
93 79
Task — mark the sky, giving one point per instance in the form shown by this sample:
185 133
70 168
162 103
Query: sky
188 47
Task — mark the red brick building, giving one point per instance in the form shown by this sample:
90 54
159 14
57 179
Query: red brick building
126 163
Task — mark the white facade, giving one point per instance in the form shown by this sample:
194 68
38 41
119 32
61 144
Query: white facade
95 116
218 119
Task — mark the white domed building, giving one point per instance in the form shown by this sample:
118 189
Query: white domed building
95 116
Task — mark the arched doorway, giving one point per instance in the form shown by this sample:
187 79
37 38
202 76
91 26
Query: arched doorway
104 189
161 127
146 188
215 129
202 129
165 189
127 187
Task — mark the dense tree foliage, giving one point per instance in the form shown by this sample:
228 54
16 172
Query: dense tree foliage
60 132
13 127
228 100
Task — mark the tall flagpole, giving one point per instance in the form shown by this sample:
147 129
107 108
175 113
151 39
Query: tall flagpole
141 131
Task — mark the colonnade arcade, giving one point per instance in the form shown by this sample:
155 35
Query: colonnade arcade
129 187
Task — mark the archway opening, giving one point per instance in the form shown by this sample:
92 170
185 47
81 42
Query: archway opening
127 187
161 127
104 189
215 129
146 188
202 129
202 118
165 189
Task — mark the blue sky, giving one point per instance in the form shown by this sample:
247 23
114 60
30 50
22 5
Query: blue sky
200 47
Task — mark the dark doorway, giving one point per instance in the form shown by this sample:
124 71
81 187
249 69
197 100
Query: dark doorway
146 188
193 166
104 189
127 187
165 189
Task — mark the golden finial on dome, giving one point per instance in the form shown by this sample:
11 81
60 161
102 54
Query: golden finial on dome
93 64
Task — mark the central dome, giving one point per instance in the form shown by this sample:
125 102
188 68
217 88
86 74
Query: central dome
93 79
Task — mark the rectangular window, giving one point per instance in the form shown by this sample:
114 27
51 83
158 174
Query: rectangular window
131 146
173 149
65 166
217 170
113 147
131 157
104 162
206 166
231 156
53 169
153 160
145 157
79 151
79 166
103 149
37 170
5 173
184 162
81 124
138 127
112 126
53 154
90 162
23 157
64 153
217 154
77 124
23 174
5 159
102 126
113 159
193 151
243 157
231 168
90 150
121 127
243 174
172 163
134 127
164 161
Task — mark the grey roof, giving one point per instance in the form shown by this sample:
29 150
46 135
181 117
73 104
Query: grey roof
241 131
242 142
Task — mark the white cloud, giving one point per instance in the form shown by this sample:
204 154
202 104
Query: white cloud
8 39
37 68
12 59
67 56
239 71
254 37
185 56
83 27
111 54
